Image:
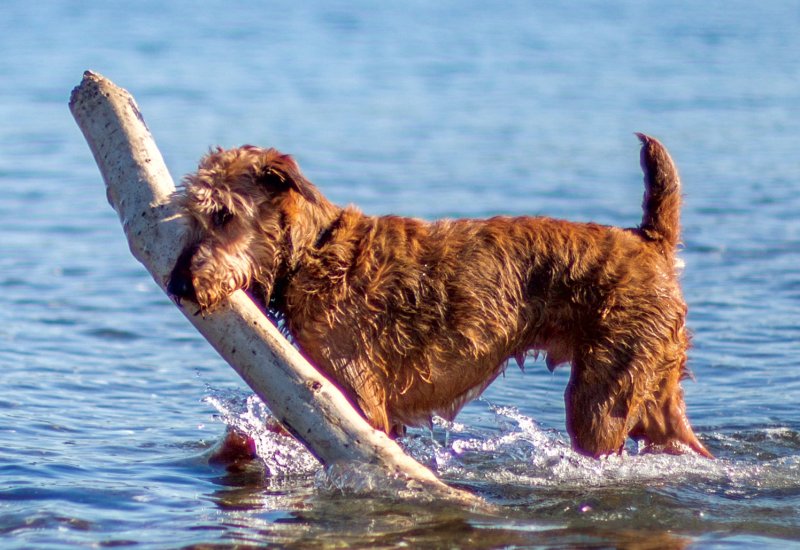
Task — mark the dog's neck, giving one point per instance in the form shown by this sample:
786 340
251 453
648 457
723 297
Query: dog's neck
306 221
275 303
326 233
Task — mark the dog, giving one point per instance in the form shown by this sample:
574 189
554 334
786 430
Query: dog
412 318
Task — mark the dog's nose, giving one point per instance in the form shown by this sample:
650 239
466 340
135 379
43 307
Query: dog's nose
180 280
180 286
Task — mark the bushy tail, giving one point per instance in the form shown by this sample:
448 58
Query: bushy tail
662 195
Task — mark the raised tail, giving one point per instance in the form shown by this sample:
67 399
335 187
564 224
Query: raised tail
662 195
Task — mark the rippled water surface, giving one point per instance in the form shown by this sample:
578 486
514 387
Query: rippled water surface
110 402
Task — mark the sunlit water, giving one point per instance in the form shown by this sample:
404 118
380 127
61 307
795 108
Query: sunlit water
110 403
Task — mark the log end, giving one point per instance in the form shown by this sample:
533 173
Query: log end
94 84
90 80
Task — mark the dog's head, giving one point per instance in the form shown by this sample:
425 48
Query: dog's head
250 212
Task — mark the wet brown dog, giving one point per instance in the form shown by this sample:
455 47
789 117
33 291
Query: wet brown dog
413 318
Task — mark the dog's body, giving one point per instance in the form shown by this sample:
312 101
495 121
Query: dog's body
413 318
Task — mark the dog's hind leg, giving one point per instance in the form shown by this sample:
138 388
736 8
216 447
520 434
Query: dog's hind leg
663 424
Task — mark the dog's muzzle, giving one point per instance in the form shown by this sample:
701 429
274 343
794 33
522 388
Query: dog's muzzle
180 284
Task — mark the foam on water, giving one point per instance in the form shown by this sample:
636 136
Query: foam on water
516 453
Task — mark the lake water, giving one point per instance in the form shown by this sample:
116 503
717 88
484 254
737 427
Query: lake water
110 400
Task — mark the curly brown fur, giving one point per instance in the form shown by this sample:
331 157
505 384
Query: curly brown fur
414 318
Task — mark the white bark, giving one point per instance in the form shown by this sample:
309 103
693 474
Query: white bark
139 187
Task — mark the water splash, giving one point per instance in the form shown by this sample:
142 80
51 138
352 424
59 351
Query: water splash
246 413
511 451
515 451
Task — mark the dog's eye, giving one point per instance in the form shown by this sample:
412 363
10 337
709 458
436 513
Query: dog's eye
221 217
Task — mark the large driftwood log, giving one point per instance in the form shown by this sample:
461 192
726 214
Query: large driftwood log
139 188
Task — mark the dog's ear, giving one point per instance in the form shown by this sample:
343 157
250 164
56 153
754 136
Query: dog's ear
281 172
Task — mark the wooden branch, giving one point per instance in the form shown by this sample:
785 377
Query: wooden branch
139 188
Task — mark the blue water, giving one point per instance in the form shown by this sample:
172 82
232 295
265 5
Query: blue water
110 401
